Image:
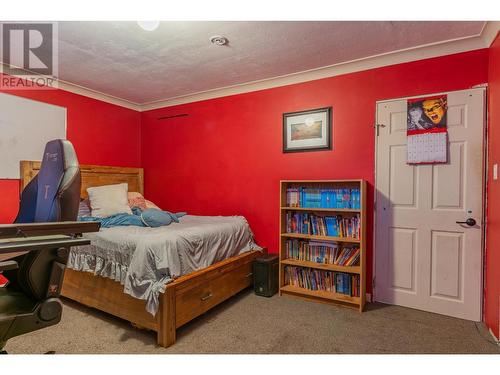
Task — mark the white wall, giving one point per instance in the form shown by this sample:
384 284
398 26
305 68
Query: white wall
25 127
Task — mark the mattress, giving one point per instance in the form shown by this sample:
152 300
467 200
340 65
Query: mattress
144 259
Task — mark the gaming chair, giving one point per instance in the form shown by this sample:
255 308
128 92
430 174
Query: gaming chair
31 300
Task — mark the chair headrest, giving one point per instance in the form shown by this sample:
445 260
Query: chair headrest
71 165
58 169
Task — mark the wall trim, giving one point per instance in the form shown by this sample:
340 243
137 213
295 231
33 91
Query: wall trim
449 47
84 91
490 32
367 63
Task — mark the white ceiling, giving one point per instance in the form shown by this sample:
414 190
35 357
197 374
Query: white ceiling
122 60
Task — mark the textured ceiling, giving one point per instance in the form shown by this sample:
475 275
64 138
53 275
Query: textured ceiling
121 59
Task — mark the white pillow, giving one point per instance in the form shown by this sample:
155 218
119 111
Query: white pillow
109 200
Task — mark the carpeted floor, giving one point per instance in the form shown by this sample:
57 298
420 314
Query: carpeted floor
250 324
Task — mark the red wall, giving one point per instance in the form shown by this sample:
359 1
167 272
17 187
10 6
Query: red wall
225 157
492 287
101 133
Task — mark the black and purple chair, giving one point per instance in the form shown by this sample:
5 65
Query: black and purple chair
31 300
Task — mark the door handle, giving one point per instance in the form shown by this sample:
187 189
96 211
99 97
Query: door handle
208 296
377 126
470 222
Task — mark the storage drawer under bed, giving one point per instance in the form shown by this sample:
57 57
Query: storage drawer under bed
193 300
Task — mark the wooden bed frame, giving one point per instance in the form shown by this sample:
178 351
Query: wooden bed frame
183 300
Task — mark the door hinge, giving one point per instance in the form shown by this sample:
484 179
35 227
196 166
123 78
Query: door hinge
377 126
373 283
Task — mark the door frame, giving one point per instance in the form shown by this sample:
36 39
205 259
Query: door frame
484 89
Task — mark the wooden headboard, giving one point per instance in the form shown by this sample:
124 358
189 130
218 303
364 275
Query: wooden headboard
92 175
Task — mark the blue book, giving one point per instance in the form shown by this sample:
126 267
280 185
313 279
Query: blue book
338 193
354 198
348 283
330 229
340 284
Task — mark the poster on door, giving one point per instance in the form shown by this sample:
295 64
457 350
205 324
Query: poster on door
427 133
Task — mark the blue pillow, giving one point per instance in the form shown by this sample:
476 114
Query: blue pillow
153 217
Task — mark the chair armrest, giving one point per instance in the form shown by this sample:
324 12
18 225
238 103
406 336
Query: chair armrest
8 265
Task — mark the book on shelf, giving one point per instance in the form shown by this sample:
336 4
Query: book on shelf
318 280
323 197
333 226
322 252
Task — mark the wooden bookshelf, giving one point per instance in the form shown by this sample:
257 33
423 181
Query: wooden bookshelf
340 210
320 238
322 266
330 297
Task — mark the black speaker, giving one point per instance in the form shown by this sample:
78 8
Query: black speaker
265 275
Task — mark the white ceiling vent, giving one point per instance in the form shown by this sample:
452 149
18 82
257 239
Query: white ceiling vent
219 40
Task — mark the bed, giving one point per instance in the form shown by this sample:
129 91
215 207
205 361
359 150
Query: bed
183 299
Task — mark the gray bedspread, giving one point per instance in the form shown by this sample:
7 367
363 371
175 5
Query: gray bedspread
144 260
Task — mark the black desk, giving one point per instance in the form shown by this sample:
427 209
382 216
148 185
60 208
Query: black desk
70 228
17 239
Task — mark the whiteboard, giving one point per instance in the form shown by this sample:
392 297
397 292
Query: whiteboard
25 127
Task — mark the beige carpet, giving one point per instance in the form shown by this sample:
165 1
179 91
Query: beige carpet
250 324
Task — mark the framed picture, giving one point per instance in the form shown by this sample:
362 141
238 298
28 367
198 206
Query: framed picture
307 130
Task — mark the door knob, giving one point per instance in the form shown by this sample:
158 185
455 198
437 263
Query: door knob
470 222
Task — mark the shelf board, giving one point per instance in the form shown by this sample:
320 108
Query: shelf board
353 210
320 294
320 238
321 266
320 181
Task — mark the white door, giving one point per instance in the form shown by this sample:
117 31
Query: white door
424 259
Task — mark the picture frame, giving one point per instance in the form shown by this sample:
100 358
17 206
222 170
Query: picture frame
309 130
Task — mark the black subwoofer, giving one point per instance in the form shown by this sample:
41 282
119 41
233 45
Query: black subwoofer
265 275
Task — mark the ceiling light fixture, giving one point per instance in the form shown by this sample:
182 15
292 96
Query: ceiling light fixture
148 25
218 40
